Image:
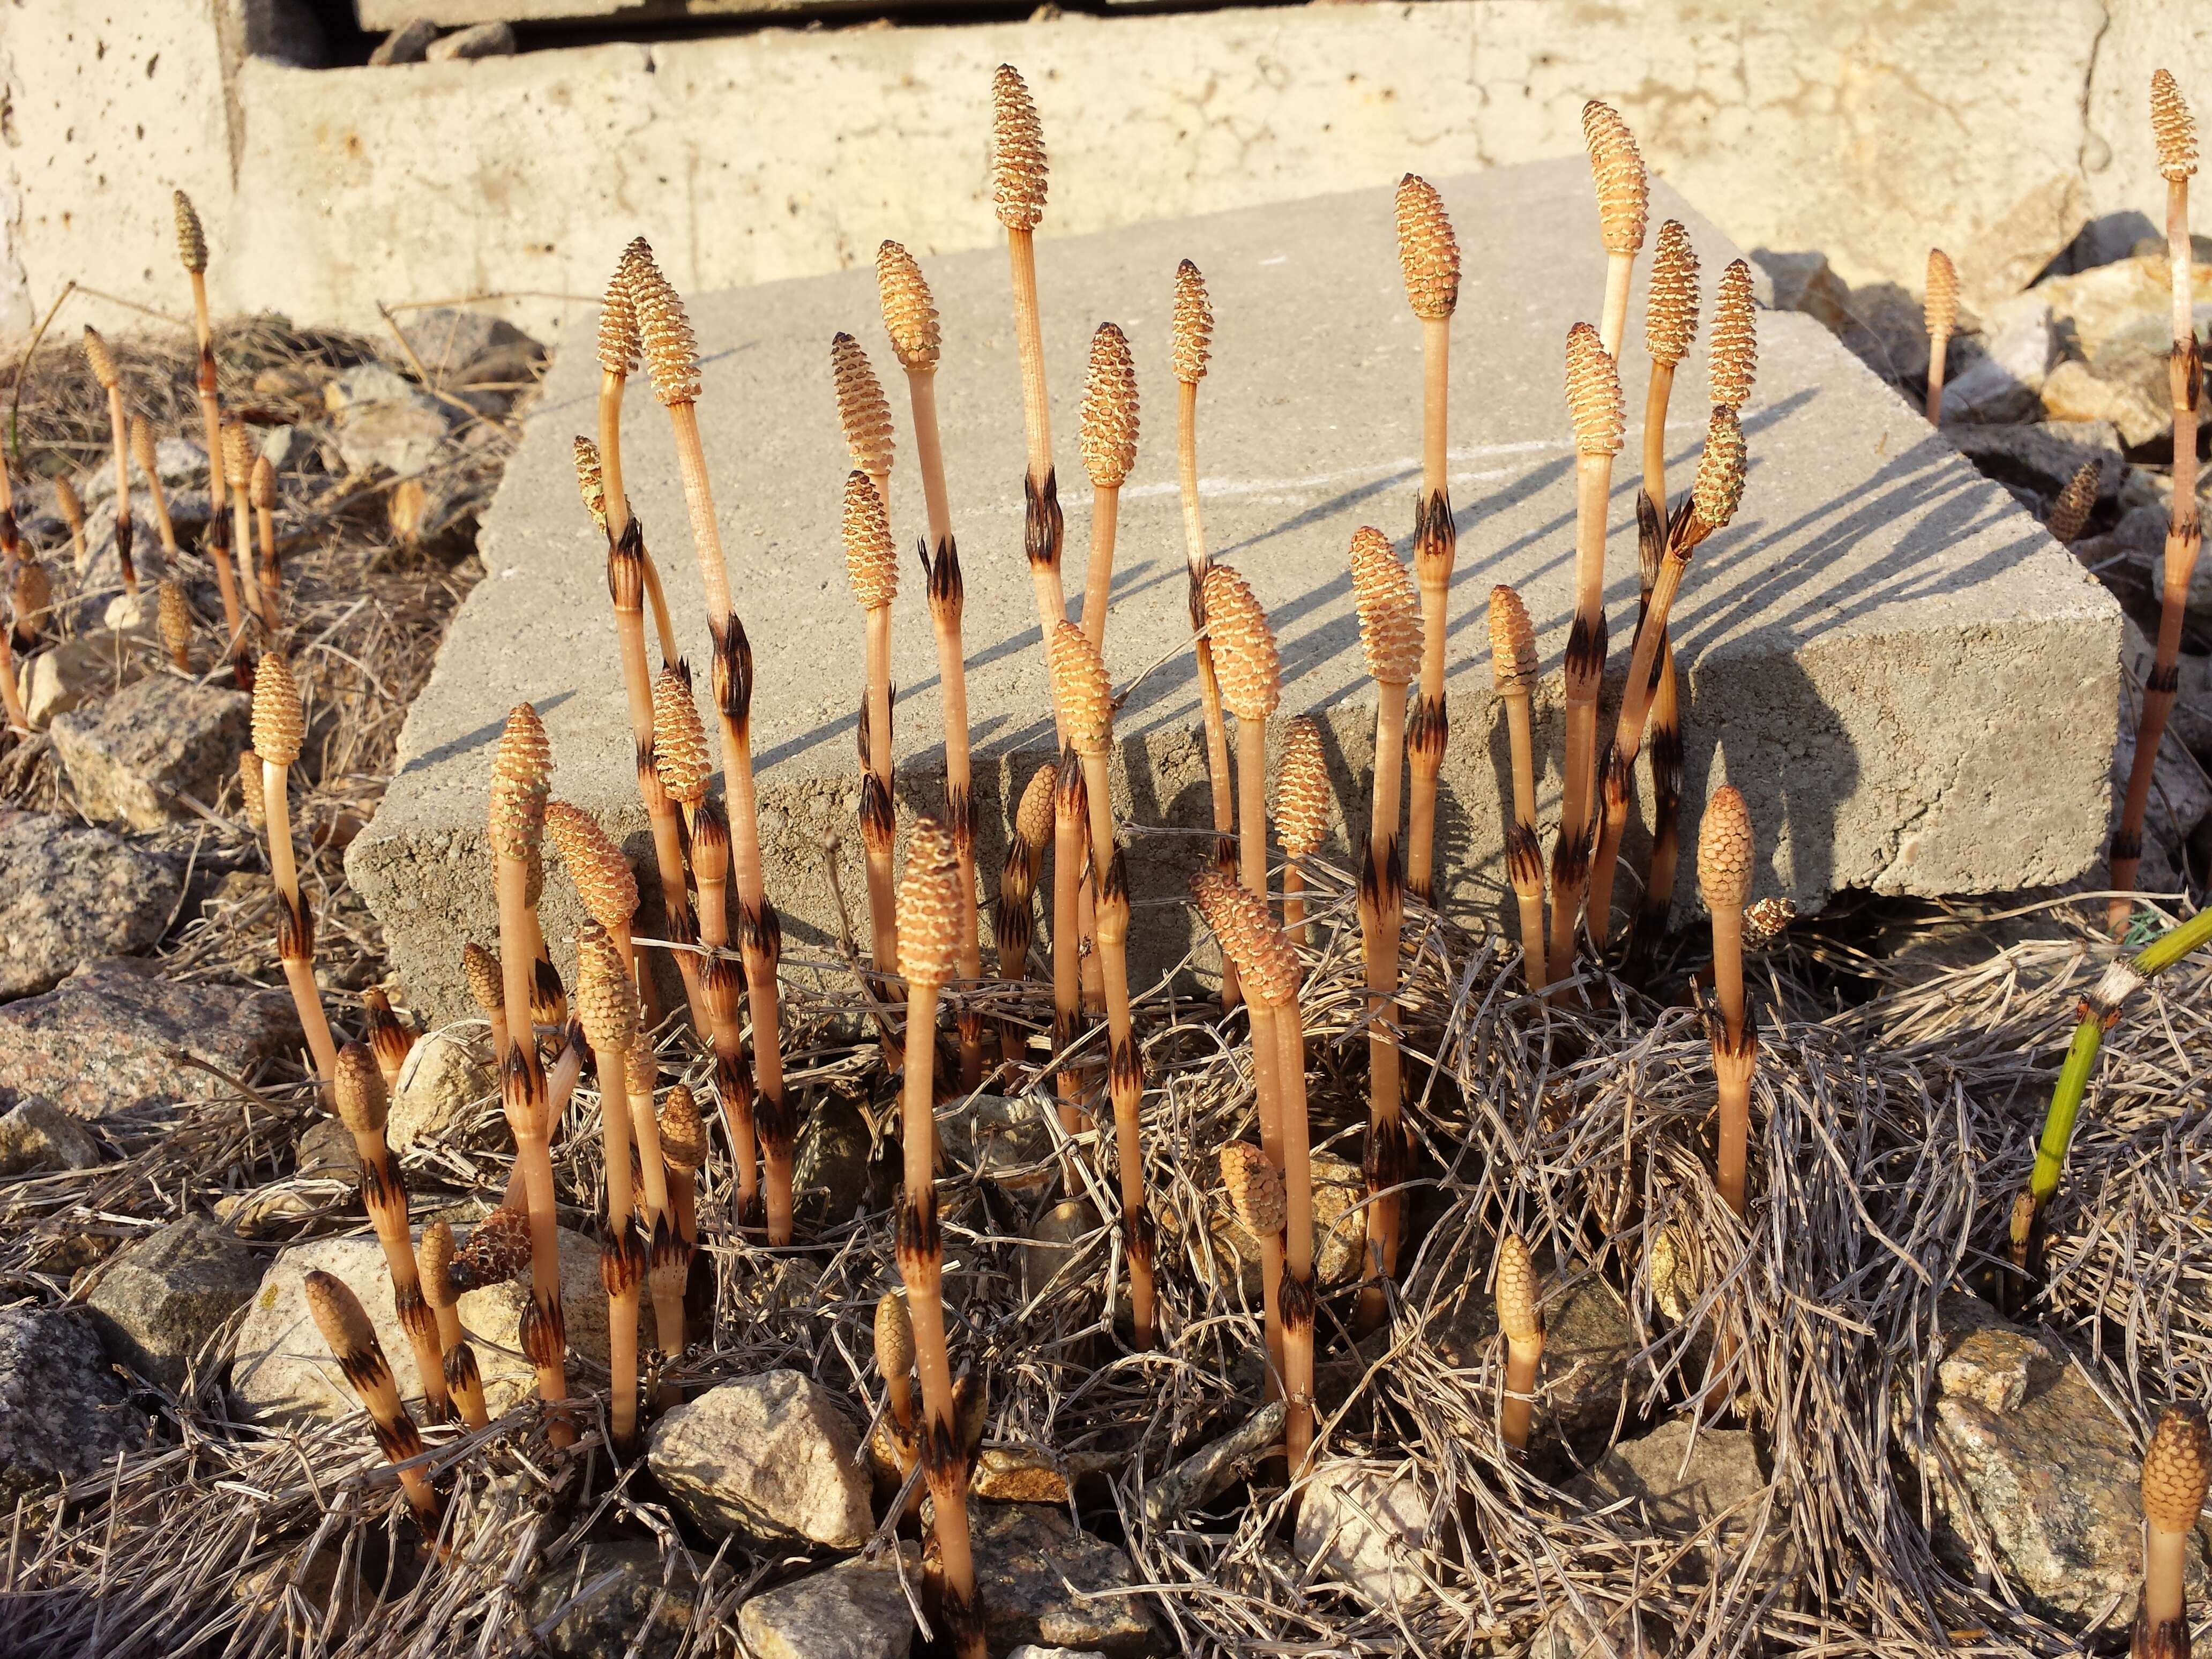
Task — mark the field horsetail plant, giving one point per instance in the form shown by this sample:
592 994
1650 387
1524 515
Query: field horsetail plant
279 729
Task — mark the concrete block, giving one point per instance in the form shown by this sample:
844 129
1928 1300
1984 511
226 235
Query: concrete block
1913 685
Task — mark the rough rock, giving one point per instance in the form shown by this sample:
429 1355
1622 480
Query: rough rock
450 340
2002 383
327 1149
384 422
160 1299
62 1412
73 893
1004 1139
1676 1489
1049 1584
483 40
2075 391
440 1081
282 1374
855 1610
602 1616
2022 1453
1589 1343
770 1456
1363 1528
405 45
99 1042
181 462
2043 457
2097 307
130 758
288 449
72 673
36 1135
1340 1236
829 1165
1055 1241
1014 1474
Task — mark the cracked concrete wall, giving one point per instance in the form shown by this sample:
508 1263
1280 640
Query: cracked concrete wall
1867 129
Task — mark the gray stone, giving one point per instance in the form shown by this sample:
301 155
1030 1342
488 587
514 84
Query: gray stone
280 1374
770 1456
1340 1233
2002 383
604 1596
63 1414
450 340
71 673
1055 1241
1871 573
483 40
440 1081
1805 282
72 894
101 1041
2075 391
37 1136
408 43
327 1149
1004 1141
160 1299
1213 1468
1366 1528
1046 1583
181 462
2097 308
855 1610
2023 1455
288 449
1676 1489
384 422
829 1163
2043 457
1588 1342
130 759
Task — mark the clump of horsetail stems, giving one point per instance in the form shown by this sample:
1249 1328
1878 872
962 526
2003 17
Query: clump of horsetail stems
1513 673
672 768
1390 635
1255 1185
101 361
863 413
1522 1321
279 729
1941 312
619 349
71 506
487 986
434 1261
1272 977
1714 498
1108 439
261 491
351 1338
1085 700
2174 130
1015 927
1302 798
1725 852
672 356
601 874
237 476
1594 402
388 1040
522 780
1070 817
683 1152
2077 499
929 941
1190 347
142 451
872 566
174 616
1624 193
191 247
1428 252
2177 1470
607 1001
669 1259
360 1102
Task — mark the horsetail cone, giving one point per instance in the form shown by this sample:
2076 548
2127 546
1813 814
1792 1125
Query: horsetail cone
1732 358
480 967
909 311
2070 513
1254 1187
683 1131
1389 609
1018 158
1717 490
2177 1470
1617 168
603 877
590 485
2172 128
679 739
1670 310
929 901
175 617
1245 653
1108 430
1033 815
498 1250
358 1096
1593 400
863 415
1512 642
1941 310
1080 690
1248 936
521 779
1516 1291
1725 852
237 456
100 360
606 999
1302 793
434 1261
191 241
261 484
1191 333
894 1337
250 789
1428 252
670 349
620 345
870 556
279 728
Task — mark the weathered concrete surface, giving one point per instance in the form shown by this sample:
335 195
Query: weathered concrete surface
1863 128
1914 685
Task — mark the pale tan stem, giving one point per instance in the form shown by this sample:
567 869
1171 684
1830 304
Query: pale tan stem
242 532
119 423
233 619
1380 931
1585 678
1298 1236
652 1164
1436 402
1520 727
271 575
883 897
1029 337
621 1366
613 1067
1068 838
1052 610
1635 701
2164 1562
1656 400
699 504
663 627
1734 1053
668 1328
928 455
1387 792
1939 348
611 386
1518 1406
464 1384
11 694
1294 903
1098 576
1209 684
385 1200
959 786
560 1088
299 973
1268 1108
1125 1072
1251 806
307 999
1613 321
